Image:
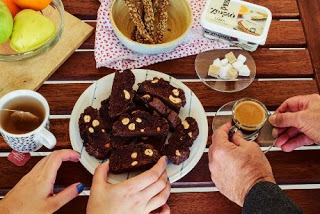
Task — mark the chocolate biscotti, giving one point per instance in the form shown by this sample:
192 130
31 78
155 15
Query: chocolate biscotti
156 104
122 93
173 97
133 157
93 133
179 142
140 124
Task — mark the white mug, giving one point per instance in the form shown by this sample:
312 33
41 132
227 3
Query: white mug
31 141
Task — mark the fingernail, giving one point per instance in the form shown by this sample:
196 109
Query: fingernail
274 133
272 119
167 160
80 187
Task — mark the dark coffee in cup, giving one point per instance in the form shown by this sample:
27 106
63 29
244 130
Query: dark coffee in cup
249 116
30 118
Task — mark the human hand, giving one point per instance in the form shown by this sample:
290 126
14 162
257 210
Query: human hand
297 122
139 195
236 166
34 192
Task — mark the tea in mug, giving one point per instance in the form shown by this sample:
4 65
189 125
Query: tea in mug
21 123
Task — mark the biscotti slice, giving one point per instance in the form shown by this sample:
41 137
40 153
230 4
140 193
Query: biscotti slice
156 104
104 113
176 154
122 93
156 142
140 124
133 157
186 133
93 133
119 142
171 96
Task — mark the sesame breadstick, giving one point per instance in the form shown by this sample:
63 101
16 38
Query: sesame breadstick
137 20
163 20
137 35
149 17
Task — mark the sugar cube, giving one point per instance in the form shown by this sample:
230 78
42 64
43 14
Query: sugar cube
224 62
242 58
223 72
232 74
229 66
244 71
237 65
231 57
214 71
217 62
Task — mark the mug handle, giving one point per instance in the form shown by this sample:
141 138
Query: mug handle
232 131
48 139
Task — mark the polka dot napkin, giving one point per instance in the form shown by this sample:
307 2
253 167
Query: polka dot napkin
111 53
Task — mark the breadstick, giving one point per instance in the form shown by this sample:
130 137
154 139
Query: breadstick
149 17
137 36
137 20
163 20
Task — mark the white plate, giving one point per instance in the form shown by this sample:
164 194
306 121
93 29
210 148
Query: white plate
101 89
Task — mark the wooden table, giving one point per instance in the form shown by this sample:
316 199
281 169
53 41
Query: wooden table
288 65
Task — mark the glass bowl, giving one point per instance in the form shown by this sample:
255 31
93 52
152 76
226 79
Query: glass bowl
205 59
55 12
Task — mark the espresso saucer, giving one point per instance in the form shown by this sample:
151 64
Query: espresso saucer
224 115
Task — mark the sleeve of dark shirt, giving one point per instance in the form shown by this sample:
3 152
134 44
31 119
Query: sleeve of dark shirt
267 197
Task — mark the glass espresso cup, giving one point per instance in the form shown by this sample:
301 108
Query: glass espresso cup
248 116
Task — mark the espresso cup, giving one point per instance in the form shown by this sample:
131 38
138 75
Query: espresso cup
248 116
34 139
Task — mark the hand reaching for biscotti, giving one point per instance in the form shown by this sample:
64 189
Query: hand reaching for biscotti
297 122
139 195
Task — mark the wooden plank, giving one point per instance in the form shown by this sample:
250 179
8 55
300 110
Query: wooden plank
87 9
298 167
279 35
211 99
209 203
311 23
270 63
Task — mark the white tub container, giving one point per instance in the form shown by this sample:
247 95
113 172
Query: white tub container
237 22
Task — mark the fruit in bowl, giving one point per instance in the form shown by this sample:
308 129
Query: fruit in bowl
6 23
37 27
31 30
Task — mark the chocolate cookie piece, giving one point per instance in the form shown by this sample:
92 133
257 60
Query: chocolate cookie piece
171 96
156 142
176 153
157 105
122 93
186 133
140 124
93 133
104 112
133 157
119 142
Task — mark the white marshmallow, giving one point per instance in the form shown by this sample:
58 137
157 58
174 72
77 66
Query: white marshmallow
224 62
217 62
223 72
244 71
237 65
242 58
229 66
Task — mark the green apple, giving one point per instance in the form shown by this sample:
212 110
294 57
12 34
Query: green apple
6 23
31 29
